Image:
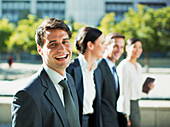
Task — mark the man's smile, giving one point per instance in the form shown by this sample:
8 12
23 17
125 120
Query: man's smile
61 58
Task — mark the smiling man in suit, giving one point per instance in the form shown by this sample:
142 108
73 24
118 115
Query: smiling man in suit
45 101
110 83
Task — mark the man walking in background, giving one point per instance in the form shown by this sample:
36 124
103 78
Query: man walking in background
110 82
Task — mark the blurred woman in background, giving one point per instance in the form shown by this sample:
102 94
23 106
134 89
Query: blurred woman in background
131 82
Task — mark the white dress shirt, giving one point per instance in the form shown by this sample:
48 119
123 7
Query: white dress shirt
88 84
55 78
111 64
131 81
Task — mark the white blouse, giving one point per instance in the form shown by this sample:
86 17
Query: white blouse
131 81
88 84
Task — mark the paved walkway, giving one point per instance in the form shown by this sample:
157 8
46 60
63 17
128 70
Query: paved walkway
18 70
21 72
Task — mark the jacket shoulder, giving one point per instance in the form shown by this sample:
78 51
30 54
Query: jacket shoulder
102 63
72 65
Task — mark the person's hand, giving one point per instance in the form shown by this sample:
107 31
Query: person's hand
151 85
128 122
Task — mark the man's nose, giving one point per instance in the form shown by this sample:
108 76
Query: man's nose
61 47
105 46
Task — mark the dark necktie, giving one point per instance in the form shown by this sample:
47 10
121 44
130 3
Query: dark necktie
114 72
69 105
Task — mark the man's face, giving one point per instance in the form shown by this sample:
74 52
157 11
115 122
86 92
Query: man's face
115 49
56 51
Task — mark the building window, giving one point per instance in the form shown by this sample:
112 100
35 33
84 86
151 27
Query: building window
154 5
15 10
51 9
118 8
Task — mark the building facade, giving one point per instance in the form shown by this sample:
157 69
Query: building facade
83 11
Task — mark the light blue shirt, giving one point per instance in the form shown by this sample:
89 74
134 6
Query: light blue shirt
111 64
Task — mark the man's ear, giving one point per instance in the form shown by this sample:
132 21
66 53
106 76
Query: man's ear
39 49
90 45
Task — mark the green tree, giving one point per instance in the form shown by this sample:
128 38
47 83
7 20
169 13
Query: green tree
23 39
151 26
74 26
6 29
107 23
161 28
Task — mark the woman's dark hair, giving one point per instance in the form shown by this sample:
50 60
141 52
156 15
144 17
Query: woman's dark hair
131 41
51 23
85 35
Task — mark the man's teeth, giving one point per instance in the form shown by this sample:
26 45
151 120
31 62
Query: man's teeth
61 57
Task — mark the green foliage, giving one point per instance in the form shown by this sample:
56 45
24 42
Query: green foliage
151 26
76 26
107 23
162 27
23 38
6 30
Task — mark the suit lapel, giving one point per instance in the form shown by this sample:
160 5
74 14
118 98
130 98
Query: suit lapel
52 95
109 74
97 79
79 80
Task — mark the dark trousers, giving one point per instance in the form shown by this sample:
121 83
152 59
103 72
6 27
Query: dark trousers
85 120
134 113
122 120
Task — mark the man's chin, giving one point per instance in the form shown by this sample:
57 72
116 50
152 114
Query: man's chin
65 64
117 58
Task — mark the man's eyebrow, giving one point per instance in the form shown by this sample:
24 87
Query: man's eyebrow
56 40
51 41
66 39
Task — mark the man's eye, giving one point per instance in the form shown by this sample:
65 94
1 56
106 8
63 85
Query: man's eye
52 45
115 46
103 43
64 42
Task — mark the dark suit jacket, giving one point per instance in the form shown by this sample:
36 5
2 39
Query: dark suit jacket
75 70
39 105
109 96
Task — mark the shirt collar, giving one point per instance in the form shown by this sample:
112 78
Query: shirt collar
84 64
110 63
54 76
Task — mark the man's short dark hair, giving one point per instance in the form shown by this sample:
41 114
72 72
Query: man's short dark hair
51 23
113 35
